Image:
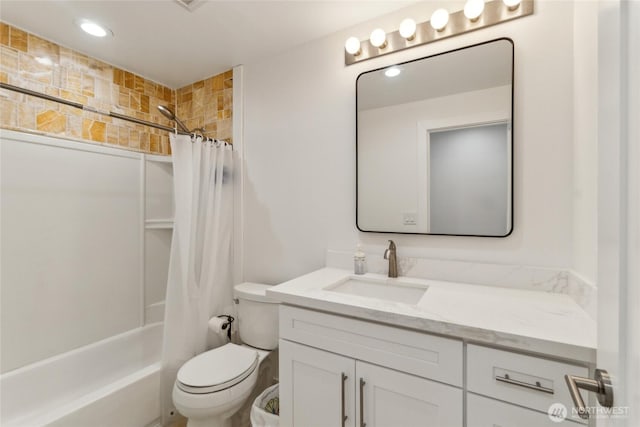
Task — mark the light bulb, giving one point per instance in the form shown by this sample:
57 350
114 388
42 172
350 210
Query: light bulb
408 29
439 19
352 46
473 9
511 4
93 28
378 38
392 72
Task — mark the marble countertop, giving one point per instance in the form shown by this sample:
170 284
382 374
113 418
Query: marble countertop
532 321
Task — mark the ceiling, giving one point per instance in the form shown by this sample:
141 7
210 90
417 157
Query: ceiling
165 42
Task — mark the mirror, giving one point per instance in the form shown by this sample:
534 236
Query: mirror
434 144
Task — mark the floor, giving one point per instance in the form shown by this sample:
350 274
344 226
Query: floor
179 423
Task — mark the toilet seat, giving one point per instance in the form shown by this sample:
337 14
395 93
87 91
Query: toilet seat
217 369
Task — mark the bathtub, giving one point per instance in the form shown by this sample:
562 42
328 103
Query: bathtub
111 383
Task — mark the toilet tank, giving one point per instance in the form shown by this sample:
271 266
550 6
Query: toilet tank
257 316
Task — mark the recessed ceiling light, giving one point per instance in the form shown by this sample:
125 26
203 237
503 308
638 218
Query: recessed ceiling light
392 72
94 29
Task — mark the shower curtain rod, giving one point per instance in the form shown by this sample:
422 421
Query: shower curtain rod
90 109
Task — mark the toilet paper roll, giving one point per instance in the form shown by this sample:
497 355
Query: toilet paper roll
215 325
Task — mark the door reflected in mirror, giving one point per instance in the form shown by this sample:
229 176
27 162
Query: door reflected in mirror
434 144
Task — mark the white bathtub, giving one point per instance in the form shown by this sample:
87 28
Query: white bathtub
111 383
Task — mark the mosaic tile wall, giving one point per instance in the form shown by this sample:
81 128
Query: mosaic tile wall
33 63
207 104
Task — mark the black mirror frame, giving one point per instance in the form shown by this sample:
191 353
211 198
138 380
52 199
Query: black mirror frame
510 231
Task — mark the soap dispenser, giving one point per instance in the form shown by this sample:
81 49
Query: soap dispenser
359 261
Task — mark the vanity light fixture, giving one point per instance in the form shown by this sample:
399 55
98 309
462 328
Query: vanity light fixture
93 28
408 29
392 72
443 24
378 38
512 4
439 19
473 9
352 46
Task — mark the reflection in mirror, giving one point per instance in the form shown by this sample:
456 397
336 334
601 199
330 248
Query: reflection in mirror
434 144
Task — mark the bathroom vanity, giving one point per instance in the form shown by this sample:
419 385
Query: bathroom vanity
368 350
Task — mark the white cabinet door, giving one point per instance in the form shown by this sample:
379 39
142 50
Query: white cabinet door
313 390
388 398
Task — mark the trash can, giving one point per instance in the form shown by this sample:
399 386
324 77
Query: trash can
266 408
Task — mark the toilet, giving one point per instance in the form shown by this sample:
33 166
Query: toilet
212 386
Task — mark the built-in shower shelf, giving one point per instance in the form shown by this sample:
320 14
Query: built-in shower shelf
158 224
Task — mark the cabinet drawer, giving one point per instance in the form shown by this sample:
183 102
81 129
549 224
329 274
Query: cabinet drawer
524 380
485 412
421 354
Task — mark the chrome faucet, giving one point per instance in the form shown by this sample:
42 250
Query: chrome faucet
390 254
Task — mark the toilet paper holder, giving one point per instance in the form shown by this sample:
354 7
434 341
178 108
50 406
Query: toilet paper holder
227 325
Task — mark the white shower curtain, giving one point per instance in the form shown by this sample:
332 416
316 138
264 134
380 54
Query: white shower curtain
199 284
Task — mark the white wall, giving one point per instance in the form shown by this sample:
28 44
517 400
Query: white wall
585 147
299 140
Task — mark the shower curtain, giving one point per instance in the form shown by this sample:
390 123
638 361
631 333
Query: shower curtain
199 284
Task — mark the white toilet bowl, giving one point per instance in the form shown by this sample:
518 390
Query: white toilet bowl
212 386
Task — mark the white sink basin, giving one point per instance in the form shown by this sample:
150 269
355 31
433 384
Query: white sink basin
387 290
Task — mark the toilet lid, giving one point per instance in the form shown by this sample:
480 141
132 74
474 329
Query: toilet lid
217 369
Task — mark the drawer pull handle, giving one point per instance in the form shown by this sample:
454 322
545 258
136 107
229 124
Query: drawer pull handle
537 386
362 423
342 413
